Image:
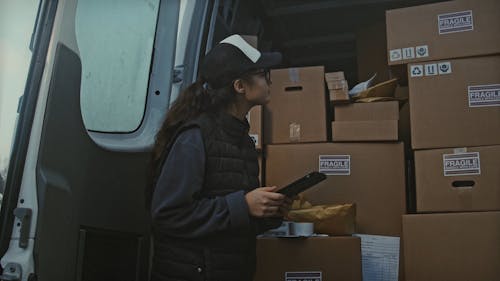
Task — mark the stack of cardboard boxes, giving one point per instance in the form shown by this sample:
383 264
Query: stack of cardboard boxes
254 117
337 87
295 127
297 133
452 51
372 121
369 134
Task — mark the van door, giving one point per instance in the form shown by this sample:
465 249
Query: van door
99 84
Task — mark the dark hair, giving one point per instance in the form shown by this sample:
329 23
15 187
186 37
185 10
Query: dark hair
196 99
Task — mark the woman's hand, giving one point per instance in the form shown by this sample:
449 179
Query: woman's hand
287 205
265 202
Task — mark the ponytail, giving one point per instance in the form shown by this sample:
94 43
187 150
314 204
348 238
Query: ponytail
196 99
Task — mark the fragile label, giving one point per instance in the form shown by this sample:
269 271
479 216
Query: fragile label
484 95
304 276
461 164
455 22
335 165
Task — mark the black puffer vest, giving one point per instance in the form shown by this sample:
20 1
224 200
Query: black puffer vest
231 165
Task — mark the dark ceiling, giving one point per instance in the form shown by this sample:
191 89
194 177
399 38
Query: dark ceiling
314 32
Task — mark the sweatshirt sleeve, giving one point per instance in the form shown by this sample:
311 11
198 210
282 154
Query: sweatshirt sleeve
176 212
262 225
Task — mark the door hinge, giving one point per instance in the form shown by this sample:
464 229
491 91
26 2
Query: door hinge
12 272
178 74
24 215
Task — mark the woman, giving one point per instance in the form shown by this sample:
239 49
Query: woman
207 206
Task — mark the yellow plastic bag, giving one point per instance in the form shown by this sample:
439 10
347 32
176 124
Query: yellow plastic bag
301 203
327 219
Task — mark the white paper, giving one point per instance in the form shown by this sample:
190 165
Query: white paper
380 257
362 86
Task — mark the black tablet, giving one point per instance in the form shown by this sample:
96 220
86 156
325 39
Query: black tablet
302 184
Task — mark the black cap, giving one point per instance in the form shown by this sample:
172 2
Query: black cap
231 58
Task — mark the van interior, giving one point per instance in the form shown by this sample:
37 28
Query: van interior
91 200
340 35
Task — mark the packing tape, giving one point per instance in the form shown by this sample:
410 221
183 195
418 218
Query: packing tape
294 132
301 228
293 75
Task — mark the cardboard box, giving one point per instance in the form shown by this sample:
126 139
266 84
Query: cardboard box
461 180
372 175
404 130
334 76
332 258
459 107
376 121
371 49
338 87
383 130
339 96
453 29
259 159
297 111
254 117
370 111
458 247
261 169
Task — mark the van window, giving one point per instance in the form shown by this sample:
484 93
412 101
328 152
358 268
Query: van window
115 39
17 19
